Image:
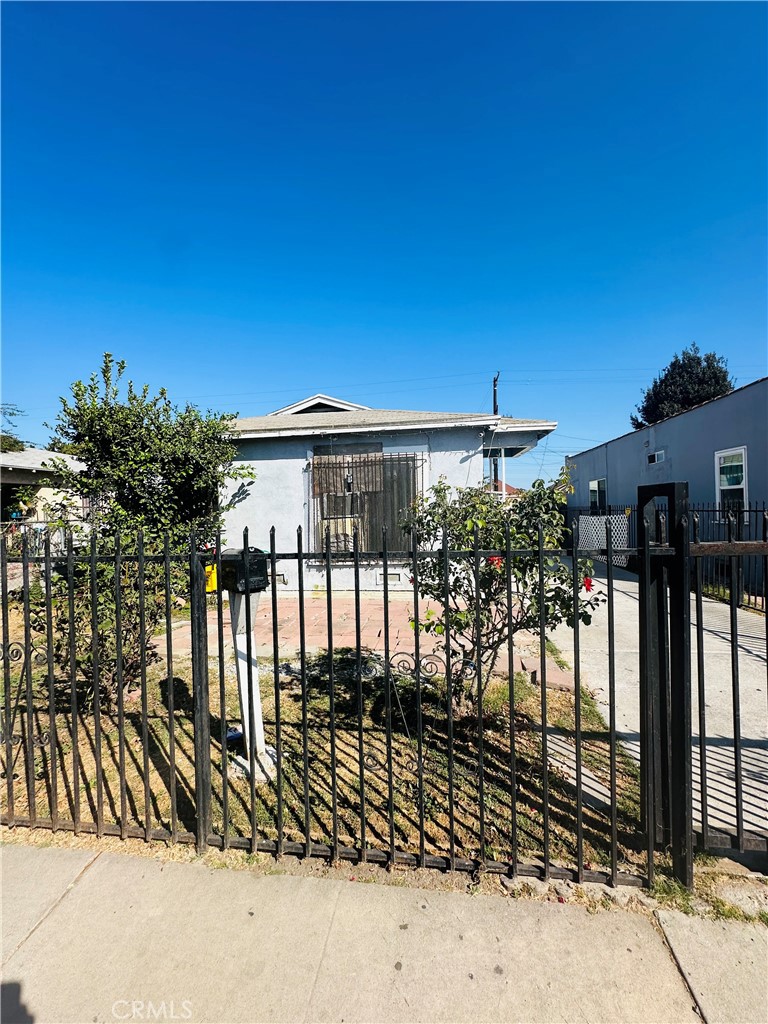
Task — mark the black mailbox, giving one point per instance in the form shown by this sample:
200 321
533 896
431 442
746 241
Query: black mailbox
233 575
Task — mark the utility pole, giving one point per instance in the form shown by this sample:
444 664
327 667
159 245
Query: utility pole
496 413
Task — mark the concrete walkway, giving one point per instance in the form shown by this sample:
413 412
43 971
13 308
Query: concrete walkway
343 624
91 936
718 691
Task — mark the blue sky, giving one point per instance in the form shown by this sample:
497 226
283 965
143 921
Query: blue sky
389 202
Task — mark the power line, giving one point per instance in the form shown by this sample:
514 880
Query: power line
618 375
517 376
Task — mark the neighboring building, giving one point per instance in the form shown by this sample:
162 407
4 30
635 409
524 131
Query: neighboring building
324 463
506 489
29 471
720 448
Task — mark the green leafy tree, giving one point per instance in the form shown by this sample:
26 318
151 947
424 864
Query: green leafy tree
690 379
148 465
9 435
478 614
152 475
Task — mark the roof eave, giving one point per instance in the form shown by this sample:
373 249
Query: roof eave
539 427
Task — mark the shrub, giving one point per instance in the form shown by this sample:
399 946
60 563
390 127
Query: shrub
478 615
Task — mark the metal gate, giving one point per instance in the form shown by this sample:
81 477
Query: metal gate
719 804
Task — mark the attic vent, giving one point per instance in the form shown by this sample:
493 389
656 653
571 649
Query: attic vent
319 403
319 407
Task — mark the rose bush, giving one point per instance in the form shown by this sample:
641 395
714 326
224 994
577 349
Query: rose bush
490 597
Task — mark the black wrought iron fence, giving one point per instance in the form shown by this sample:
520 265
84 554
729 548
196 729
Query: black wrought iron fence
91 696
730 645
14 531
350 734
715 523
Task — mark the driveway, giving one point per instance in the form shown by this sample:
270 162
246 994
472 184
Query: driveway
718 697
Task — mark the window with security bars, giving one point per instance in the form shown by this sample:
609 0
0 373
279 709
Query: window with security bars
367 490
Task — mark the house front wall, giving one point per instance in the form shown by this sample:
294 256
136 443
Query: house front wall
689 442
280 495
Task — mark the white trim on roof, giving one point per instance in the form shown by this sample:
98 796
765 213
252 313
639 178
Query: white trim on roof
306 403
36 460
540 428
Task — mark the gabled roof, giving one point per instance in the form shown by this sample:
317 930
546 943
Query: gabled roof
318 404
36 460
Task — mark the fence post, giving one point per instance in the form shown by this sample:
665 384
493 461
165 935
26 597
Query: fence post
681 772
665 678
646 648
202 720
654 676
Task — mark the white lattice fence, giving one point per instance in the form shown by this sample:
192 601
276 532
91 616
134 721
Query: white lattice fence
592 535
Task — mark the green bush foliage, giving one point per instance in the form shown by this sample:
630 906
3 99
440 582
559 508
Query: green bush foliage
152 479
479 615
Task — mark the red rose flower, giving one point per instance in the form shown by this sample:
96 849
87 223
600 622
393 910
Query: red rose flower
587 583
495 561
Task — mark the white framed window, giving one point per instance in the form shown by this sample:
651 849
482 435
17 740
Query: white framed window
597 502
731 479
655 457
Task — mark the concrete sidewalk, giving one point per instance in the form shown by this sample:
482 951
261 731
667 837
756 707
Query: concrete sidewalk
91 936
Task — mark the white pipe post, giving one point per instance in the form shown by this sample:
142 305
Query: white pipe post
240 640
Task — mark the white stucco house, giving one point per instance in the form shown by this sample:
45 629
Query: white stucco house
324 463
30 471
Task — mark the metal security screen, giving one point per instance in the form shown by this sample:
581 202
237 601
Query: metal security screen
368 491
